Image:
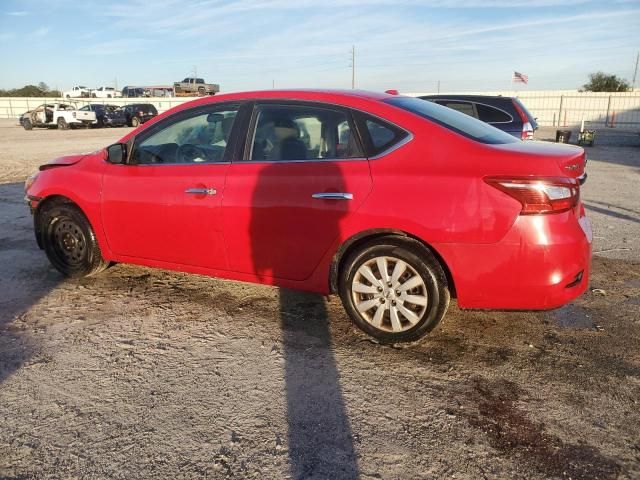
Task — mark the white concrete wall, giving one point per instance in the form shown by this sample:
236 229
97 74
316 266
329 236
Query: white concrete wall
550 107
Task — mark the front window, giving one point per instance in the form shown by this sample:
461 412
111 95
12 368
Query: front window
302 133
452 120
201 138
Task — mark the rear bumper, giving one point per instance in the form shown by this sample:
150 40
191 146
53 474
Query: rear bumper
543 263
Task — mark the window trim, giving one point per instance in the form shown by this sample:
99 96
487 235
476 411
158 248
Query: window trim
183 115
250 133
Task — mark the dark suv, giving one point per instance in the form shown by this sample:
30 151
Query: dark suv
137 113
506 113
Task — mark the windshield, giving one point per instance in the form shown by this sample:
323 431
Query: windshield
453 120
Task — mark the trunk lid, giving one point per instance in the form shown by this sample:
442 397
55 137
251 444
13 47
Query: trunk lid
570 159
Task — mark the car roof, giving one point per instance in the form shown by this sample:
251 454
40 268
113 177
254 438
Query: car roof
299 94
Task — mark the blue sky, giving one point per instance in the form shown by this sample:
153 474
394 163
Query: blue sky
248 44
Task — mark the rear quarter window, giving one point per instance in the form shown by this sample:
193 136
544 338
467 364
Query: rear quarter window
490 114
378 135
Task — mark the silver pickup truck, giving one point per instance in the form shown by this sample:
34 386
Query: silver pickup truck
195 86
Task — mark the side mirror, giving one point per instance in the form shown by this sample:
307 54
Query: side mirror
117 153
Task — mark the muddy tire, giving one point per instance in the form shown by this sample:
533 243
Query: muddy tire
135 121
201 91
394 289
69 241
26 124
62 124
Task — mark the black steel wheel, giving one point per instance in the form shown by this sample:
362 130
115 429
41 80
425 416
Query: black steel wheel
69 241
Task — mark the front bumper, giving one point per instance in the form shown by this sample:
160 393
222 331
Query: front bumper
543 263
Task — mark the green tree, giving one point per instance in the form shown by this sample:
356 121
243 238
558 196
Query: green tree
603 82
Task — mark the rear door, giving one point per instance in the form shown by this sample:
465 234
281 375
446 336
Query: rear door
302 175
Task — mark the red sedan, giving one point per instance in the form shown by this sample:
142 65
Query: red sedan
393 202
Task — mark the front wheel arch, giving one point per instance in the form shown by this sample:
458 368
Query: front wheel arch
358 240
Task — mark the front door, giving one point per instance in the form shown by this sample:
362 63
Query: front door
165 204
302 175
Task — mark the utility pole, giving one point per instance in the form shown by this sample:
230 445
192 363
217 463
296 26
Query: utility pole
353 67
635 72
438 86
273 84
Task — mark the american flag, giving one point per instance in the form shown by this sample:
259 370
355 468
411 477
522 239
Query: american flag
520 78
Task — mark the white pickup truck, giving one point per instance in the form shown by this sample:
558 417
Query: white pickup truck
76 92
61 115
105 92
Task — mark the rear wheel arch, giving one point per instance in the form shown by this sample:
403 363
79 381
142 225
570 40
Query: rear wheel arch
361 239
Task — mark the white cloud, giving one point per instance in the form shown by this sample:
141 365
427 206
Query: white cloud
18 14
41 32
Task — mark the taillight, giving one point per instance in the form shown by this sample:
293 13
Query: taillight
539 195
527 128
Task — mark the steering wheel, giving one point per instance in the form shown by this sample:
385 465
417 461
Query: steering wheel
189 153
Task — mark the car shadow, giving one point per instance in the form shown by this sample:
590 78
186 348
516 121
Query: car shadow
26 277
320 438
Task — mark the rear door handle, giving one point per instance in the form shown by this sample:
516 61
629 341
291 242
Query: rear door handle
333 196
201 191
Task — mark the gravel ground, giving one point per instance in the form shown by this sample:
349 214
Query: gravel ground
141 373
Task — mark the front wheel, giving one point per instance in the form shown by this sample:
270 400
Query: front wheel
69 241
135 121
27 125
394 289
62 124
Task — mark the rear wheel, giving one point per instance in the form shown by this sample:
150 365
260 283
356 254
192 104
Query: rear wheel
394 289
69 241
135 121
62 124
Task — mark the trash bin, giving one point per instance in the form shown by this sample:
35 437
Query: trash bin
563 136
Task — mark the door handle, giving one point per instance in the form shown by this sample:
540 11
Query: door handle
333 196
201 191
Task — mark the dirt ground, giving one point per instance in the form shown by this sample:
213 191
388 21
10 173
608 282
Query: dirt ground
142 373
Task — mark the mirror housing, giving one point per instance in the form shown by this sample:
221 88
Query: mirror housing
117 153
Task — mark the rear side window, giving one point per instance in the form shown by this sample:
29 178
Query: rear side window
297 132
452 120
462 107
492 115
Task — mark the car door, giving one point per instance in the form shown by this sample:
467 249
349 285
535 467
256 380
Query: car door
302 175
164 204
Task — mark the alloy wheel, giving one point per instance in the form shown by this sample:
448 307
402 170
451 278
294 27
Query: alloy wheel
389 294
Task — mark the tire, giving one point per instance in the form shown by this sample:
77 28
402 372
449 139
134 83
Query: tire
69 241
392 316
100 124
27 125
201 91
62 124
135 121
